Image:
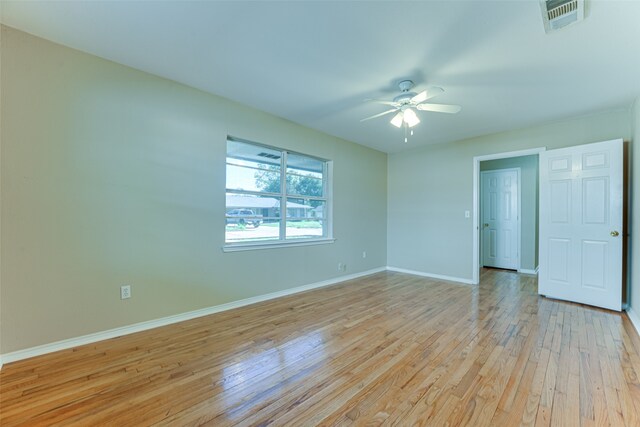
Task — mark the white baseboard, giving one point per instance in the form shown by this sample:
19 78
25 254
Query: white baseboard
431 275
635 320
526 271
143 326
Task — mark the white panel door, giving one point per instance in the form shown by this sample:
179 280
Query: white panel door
581 192
500 222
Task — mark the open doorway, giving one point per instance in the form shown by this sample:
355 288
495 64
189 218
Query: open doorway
523 245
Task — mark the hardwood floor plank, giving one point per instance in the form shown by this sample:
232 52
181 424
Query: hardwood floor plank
388 349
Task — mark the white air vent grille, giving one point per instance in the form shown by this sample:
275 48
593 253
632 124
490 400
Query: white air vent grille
268 155
560 13
557 12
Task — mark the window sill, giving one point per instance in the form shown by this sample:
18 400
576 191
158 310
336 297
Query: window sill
237 247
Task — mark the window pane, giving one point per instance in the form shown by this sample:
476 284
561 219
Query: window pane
300 229
250 218
252 153
250 179
305 208
305 218
260 206
304 175
304 185
252 168
297 163
266 231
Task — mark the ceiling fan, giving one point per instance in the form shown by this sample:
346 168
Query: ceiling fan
407 102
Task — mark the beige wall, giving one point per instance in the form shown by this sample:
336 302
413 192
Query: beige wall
528 204
634 282
431 187
114 176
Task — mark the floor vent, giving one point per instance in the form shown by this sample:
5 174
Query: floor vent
557 14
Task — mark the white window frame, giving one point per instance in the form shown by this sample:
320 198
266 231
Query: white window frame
282 241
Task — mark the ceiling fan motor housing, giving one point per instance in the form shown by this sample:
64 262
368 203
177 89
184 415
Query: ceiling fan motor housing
405 97
405 85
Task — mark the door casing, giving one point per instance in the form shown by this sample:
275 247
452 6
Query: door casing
476 200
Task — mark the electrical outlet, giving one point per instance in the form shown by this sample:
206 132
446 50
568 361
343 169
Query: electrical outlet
364 254
339 266
125 291
467 214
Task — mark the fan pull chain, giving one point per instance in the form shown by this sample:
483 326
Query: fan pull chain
407 133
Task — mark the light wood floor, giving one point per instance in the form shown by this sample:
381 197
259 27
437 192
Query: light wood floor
388 349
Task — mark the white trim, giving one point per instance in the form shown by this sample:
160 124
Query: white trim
282 232
328 188
476 198
143 326
526 271
0 362
431 275
275 244
635 320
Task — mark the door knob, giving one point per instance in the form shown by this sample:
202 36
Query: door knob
485 225
615 233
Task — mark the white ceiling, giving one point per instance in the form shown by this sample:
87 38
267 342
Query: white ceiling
314 62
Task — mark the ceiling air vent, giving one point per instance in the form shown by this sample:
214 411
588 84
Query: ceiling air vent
560 13
269 156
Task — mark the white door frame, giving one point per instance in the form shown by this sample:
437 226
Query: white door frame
476 200
518 171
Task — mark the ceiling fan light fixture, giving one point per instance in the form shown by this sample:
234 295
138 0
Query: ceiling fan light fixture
398 119
407 104
411 118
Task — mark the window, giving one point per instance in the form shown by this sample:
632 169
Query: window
275 197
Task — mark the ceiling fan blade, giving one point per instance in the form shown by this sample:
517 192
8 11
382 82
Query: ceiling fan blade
421 97
426 94
380 101
380 114
439 108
